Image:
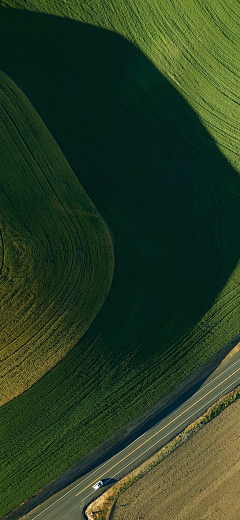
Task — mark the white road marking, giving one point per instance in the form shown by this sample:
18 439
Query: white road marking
122 469
98 469
167 434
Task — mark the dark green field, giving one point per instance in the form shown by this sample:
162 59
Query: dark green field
56 253
148 120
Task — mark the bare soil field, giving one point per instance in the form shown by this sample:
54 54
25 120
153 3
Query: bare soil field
200 480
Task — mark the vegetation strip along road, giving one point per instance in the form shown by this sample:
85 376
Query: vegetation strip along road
143 100
60 505
163 428
200 470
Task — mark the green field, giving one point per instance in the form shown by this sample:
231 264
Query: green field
56 253
148 120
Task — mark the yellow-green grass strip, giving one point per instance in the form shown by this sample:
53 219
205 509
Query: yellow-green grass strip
101 509
154 138
56 252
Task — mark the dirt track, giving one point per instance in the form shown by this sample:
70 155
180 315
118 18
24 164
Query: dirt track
200 481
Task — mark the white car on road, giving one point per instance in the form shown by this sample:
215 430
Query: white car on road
98 484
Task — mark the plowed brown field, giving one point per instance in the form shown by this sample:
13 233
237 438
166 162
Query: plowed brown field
200 480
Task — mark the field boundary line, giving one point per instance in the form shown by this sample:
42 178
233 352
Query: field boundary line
161 429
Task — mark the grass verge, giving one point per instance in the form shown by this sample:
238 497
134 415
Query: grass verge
148 123
101 508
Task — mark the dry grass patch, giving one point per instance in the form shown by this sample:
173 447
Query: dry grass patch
198 481
232 352
186 474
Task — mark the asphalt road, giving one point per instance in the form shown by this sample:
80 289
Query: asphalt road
68 504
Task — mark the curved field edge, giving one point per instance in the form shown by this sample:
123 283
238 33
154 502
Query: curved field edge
57 256
101 509
148 336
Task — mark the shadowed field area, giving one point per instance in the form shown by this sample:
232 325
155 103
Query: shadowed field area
199 480
171 201
56 254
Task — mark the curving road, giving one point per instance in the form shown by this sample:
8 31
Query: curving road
69 503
